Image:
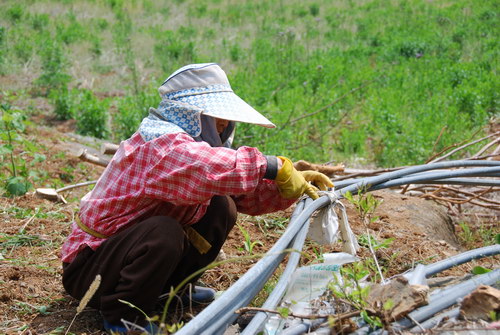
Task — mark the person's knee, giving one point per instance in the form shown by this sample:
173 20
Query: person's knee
225 207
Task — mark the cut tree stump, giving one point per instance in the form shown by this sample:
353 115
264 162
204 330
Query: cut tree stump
85 156
109 148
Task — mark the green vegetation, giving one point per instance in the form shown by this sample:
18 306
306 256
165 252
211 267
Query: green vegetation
13 150
376 80
248 243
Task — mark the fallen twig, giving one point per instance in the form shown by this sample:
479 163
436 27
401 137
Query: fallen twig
353 173
486 147
337 317
23 228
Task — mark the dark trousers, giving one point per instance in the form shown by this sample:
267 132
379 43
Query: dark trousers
143 261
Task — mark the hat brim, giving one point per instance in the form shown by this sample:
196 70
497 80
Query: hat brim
227 106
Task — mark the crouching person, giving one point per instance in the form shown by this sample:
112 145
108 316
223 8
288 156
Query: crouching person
168 199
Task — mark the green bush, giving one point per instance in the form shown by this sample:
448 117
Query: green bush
40 21
91 115
71 31
64 102
130 112
54 65
15 13
171 47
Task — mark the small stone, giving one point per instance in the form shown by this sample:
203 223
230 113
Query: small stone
221 256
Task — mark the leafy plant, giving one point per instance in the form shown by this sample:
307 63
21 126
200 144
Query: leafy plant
366 240
248 243
12 126
473 234
270 223
353 290
366 204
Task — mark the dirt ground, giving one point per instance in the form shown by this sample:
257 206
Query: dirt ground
32 299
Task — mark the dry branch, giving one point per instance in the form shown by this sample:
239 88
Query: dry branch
463 147
353 173
337 317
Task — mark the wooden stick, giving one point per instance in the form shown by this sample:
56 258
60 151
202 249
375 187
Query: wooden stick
85 156
299 316
352 173
439 138
109 148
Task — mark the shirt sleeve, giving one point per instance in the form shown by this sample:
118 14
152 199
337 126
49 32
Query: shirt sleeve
183 171
265 199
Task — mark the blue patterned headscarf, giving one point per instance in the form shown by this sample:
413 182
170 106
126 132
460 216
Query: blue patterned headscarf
191 97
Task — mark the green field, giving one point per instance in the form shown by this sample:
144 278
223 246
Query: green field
370 82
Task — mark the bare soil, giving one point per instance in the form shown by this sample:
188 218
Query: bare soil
33 301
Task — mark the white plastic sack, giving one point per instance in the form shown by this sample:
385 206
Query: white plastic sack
325 227
349 240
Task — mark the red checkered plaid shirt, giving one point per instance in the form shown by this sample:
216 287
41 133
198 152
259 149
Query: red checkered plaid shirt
175 176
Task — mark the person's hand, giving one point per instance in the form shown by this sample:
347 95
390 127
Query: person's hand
292 183
318 179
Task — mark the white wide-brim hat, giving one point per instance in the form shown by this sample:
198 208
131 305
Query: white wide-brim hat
206 87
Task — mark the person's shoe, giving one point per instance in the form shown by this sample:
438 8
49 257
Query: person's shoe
120 329
198 295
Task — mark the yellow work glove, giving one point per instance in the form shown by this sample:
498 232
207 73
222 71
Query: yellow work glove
291 183
318 179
